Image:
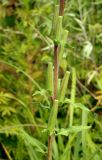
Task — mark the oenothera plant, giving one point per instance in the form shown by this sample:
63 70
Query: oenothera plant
58 92
58 34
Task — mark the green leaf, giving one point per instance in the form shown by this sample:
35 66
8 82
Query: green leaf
77 105
53 117
73 129
64 86
58 32
87 50
40 147
50 78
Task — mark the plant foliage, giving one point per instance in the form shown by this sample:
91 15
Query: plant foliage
26 80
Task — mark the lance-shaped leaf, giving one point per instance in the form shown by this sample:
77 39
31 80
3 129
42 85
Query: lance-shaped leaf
58 33
73 92
64 86
84 132
73 129
50 77
59 85
53 117
55 18
63 42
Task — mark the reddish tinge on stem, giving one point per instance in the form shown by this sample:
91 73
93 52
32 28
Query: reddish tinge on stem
61 11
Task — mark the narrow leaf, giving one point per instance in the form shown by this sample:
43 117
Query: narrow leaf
50 77
58 30
53 117
73 129
64 86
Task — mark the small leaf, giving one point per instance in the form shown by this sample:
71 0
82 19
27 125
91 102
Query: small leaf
64 86
63 42
73 129
87 50
53 117
50 78
58 30
77 105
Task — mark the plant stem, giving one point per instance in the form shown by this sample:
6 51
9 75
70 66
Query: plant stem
71 112
50 142
84 133
61 11
73 92
56 69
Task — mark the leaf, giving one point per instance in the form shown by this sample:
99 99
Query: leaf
43 93
7 110
58 30
55 150
91 75
50 78
53 117
77 105
73 129
39 147
87 50
64 86
6 151
80 23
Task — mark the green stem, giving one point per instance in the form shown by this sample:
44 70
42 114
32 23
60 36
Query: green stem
73 91
71 112
56 68
84 132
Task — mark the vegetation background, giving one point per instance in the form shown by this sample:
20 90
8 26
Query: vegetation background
26 47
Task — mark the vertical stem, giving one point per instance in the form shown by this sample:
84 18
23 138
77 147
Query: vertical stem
77 146
56 68
61 11
84 133
50 142
73 92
